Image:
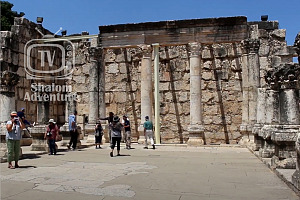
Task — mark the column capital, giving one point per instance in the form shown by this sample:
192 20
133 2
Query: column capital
251 45
146 50
194 49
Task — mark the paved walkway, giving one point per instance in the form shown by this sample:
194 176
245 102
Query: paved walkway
176 173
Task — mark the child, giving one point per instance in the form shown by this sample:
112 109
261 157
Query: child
98 135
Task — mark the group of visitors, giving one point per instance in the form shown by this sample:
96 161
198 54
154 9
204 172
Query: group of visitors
18 122
115 132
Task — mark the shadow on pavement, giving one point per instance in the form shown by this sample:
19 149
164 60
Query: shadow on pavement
30 156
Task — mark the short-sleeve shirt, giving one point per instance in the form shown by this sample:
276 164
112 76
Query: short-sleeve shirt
72 118
127 123
148 125
116 129
15 133
54 130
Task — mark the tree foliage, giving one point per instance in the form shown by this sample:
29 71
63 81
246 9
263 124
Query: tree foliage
7 15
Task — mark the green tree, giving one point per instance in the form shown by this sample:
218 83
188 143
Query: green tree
7 15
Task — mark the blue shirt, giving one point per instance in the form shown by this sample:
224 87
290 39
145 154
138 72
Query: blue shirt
15 133
72 118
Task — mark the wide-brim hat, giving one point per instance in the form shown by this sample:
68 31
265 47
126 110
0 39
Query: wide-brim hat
116 119
51 121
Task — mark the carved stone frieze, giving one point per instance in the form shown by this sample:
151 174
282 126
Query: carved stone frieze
286 76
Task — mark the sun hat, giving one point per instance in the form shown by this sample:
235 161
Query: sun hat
51 121
13 114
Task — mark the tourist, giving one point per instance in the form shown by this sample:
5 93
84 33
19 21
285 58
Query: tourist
51 134
98 135
21 114
116 128
127 130
110 120
148 132
73 131
13 137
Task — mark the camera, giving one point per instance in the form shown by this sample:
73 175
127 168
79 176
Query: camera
16 119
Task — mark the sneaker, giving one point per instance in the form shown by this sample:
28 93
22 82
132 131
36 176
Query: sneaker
153 146
118 154
145 147
68 146
111 154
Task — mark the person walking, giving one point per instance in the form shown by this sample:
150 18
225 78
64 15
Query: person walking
127 134
98 134
51 134
148 132
73 131
13 136
116 128
110 120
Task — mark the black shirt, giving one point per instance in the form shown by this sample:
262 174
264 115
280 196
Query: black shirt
127 123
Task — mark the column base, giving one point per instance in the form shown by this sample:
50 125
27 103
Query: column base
287 163
142 138
248 138
38 141
106 136
196 135
90 131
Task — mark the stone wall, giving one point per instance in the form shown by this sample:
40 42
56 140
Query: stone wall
228 97
12 61
221 90
223 66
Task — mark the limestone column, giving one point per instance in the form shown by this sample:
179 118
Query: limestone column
146 88
251 82
101 96
38 131
8 80
286 134
267 148
93 94
260 119
70 107
195 128
289 106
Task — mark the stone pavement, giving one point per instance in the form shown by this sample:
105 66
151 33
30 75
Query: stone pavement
169 172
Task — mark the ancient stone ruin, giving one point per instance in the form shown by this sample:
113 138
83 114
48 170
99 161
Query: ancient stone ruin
221 80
